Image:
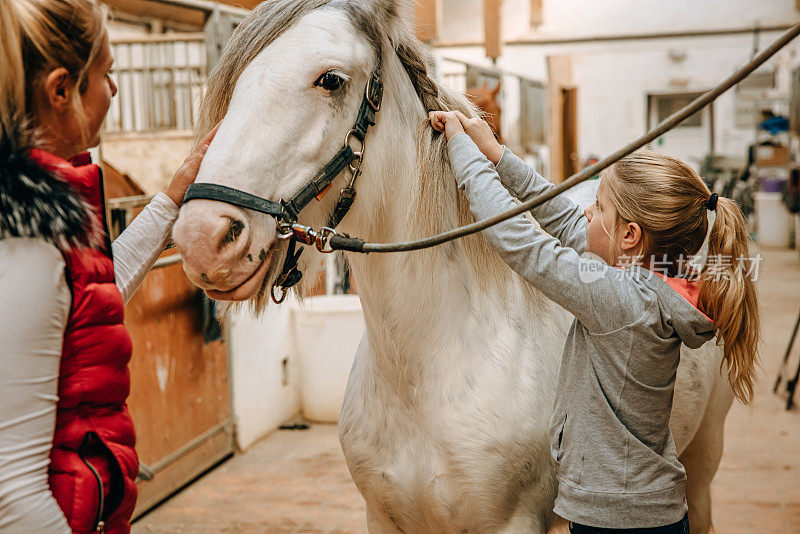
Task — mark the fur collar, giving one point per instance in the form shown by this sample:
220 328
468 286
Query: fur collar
36 204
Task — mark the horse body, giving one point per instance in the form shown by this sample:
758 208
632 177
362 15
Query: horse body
445 420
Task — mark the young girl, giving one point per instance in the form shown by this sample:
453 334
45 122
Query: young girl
67 459
615 458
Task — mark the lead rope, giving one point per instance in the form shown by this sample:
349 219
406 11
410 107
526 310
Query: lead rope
351 244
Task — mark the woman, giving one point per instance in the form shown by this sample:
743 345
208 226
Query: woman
67 458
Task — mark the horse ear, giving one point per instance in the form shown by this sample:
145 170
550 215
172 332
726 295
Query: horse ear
497 88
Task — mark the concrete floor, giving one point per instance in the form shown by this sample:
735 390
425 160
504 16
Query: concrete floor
297 481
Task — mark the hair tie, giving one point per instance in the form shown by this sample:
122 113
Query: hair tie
712 202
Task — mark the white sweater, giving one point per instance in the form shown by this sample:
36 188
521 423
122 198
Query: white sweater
34 312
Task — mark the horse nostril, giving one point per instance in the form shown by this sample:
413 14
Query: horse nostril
235 228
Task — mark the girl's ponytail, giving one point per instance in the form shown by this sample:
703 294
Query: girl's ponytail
728 296
12 80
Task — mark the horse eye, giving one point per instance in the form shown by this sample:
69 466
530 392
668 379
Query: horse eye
330 81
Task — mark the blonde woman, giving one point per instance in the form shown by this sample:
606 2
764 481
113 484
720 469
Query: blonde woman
616 462
67 458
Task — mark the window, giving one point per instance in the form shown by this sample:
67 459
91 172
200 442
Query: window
533 113
662 106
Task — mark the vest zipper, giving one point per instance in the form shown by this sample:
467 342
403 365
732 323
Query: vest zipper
99 523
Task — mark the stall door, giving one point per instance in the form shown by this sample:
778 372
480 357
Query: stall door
180 401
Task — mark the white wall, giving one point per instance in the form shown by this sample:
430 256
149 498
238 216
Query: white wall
318 337
463 19
613 78
257 347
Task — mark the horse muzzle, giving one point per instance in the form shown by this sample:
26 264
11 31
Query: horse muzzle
223 253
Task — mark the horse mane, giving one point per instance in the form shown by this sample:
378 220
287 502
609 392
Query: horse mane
435 184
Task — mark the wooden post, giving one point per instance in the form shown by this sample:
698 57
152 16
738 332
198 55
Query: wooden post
491 24
537 12
426 14
559 77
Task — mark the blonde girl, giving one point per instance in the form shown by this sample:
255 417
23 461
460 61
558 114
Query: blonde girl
628 269
67 458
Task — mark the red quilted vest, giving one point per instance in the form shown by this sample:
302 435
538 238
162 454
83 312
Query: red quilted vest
93 464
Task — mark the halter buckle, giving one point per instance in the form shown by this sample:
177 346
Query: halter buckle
308 236
374 92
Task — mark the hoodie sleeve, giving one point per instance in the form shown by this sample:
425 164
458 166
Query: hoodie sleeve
36 301
601 297
560 217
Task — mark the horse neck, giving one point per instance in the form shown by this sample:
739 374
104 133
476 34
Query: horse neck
412 300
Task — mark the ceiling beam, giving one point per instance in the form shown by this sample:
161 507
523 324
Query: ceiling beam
158 10
246 4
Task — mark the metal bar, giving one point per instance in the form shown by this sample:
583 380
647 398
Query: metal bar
173 114
176 455
665 126
136 201
159 38
208 6
623 37
493 69
167 261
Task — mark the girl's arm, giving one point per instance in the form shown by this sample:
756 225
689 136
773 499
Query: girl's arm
140 244
35 310
559 216
599 296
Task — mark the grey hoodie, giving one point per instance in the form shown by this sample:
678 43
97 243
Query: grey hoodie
610 439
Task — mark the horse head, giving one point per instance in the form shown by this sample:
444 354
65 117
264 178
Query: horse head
487 101
287 90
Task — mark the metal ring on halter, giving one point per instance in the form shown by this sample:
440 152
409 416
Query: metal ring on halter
284 231
323 238
357 153
275 299
356 169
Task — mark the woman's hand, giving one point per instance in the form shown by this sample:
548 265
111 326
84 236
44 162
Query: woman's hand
187 172
453 122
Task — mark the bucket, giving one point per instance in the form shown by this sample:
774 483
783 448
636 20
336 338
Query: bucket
773 220
327 331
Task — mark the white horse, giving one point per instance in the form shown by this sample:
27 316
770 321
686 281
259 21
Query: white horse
445 421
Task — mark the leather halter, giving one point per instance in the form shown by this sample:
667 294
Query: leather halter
287 212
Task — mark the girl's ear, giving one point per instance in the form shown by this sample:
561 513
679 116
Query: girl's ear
632 236
58 89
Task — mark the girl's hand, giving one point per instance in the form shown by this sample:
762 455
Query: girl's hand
187 172
447 122
482 135
453 122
